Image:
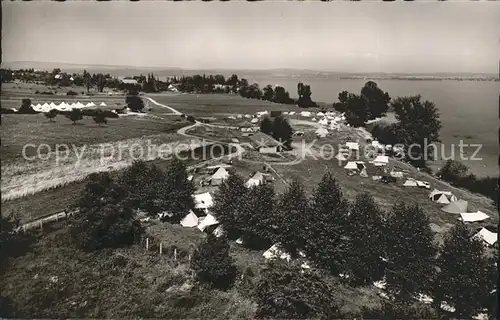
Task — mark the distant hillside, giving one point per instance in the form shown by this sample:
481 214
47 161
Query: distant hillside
122 71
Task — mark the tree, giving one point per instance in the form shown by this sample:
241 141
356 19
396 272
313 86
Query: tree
100 118
356 110
466 274
105 217
87 79
281 95
287 292
453 170
266 126
256 216
12 242
75 115
134 181
304 93
326 243
418 125
228 201
268 93
410 252
26 107
213 264
51 114
366 241
134 102
292 219
282 131
377 100
178 196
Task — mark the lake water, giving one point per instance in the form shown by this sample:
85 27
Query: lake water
469 111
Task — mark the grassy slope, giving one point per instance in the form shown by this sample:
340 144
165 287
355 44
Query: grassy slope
132 282
218 104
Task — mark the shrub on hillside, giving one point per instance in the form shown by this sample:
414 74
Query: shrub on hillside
51 114
71 93
213 264
74 115
285 291
190 119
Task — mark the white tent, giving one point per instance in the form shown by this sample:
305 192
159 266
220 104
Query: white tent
305 114
38 107
207 221
190 220
422 184
291 113
352 145
90 104
323 121
396 174
79 105
190 178
351 165
220 165
239 116
321 132
381 160
45 106
457 207
443 199
320 114
103 104
72 105
219 176
248 116
276 252
254 120
487 236
203 200
473 216
313 119
255 180
52 105
410 183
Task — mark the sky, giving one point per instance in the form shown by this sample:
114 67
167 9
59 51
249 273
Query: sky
364 36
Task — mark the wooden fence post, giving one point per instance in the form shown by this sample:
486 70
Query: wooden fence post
175 254
161 247
147 244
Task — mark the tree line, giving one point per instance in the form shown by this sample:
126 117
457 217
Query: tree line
355 242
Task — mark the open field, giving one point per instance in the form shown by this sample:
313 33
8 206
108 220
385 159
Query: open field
219 104
21 129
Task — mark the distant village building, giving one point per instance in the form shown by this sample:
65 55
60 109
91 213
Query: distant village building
264 143
130 81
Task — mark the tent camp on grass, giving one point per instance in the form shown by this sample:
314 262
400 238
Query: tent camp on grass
207 221
381 161
456 207
352 146
473 216
190 220
487 236
257 179
219 176
443 197
203 200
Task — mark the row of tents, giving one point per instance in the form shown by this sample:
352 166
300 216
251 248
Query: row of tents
63 106
460 207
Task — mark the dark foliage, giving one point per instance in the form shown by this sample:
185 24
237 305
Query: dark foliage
287 292
26 107
71 93
326 243
213 264
410 252
228 201
74 115
466 275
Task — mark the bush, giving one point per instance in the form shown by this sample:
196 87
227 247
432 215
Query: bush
190 119
26 107
213 264
74 115
71 93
